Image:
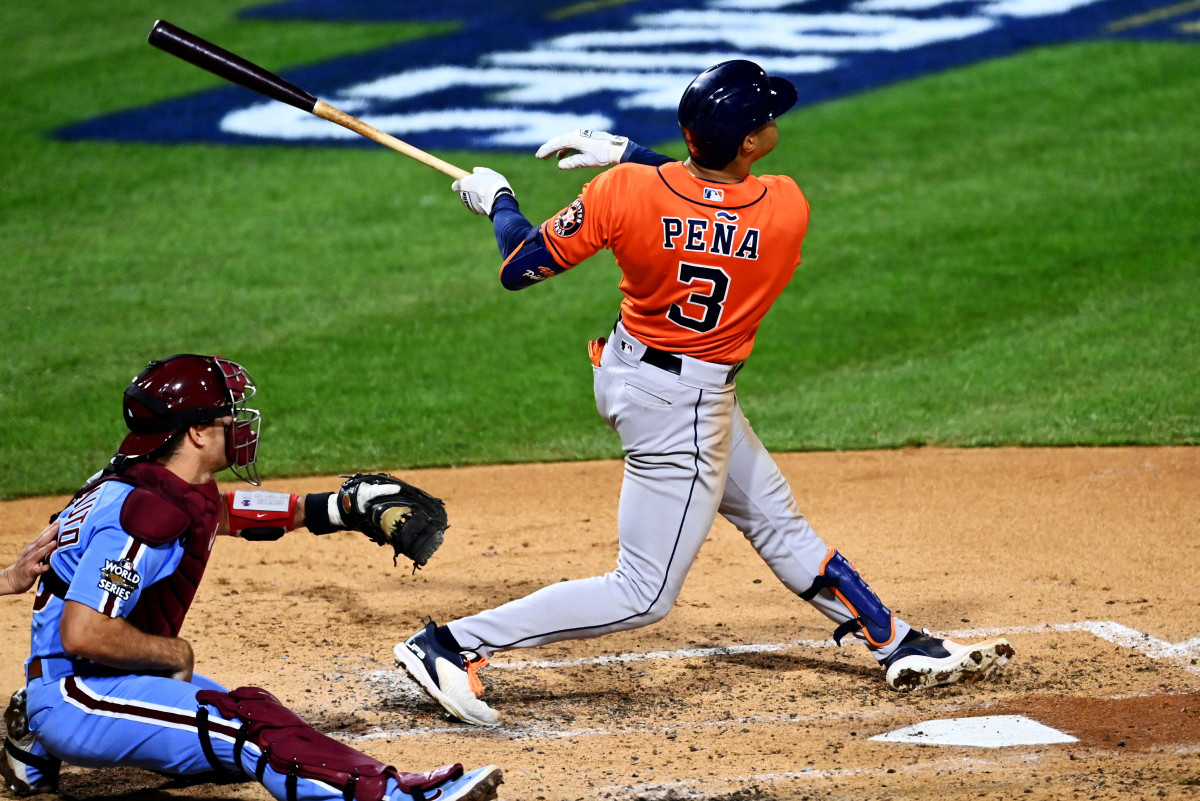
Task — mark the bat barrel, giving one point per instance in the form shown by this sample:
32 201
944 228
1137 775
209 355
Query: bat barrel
234 68
231 67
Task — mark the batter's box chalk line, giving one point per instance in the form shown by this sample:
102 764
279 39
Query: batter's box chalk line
1180 653
397 684
683 789
534 731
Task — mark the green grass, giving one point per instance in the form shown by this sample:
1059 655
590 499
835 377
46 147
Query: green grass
1004 254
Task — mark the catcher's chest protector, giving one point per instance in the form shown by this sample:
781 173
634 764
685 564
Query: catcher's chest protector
292 747
163 508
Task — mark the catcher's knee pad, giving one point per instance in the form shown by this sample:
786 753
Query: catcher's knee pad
867 612
294 749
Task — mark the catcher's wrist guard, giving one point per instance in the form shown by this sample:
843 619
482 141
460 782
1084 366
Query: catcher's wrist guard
260 515
321 513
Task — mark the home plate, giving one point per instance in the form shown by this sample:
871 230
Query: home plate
996 731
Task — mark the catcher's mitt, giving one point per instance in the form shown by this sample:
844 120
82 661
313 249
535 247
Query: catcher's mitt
393 512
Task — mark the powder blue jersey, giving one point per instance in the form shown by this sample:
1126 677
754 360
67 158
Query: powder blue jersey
105 568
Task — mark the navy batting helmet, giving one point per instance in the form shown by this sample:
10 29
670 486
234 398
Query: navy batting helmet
726 102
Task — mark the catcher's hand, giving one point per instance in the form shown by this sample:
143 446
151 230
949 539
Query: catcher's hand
393 512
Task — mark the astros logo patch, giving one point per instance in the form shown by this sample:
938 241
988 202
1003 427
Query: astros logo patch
571 220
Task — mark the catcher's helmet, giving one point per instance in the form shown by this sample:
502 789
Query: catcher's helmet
726 102
186 390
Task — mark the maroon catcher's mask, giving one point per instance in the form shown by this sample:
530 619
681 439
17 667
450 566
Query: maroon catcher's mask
186 390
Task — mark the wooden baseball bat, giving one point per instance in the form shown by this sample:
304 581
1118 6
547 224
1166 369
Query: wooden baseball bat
207 56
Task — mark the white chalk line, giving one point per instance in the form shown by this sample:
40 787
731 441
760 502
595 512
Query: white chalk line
520 731
704 788
1106 630
398 683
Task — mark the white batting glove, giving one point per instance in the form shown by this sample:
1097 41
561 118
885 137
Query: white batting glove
585 148
480 190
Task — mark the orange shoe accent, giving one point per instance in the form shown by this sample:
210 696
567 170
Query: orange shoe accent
472 666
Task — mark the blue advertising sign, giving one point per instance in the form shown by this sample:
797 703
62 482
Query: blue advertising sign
516 72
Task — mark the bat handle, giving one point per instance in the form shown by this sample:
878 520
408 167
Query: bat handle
328 112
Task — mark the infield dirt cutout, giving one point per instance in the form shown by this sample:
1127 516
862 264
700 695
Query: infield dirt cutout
1088 560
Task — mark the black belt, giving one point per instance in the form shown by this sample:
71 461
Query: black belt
55 667
673 363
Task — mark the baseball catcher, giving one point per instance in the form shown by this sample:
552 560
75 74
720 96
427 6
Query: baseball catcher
109 680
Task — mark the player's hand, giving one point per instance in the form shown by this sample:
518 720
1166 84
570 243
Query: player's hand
585 148
185 661
24 572
480 190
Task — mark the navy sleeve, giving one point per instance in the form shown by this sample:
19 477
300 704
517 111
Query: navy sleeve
509 223
637 154
526 260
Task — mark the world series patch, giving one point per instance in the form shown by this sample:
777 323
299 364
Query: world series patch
119 578
570 220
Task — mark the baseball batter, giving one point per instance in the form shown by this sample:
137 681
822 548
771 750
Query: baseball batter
109 680
704 249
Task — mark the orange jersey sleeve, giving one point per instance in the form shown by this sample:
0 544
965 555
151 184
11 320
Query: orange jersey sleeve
701 263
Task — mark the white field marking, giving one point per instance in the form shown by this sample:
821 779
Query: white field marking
522 731
704 788
1181 653
613 659
1116 633
397 683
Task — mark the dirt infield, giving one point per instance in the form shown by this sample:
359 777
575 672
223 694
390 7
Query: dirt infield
1088 560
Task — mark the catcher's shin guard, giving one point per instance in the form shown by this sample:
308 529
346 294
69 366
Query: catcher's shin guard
292 748
849 595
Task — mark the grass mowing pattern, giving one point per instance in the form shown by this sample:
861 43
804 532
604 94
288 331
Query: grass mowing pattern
1003 254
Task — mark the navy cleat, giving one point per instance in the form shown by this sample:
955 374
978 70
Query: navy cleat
447 676
923 661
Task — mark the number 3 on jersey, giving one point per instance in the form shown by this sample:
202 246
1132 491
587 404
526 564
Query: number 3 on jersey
710 287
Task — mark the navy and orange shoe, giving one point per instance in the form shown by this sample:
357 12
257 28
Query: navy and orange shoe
447 676
922 661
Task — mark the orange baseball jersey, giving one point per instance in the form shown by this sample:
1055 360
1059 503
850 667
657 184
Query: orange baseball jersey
701 263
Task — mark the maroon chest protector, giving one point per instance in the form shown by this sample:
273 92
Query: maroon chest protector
162 509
